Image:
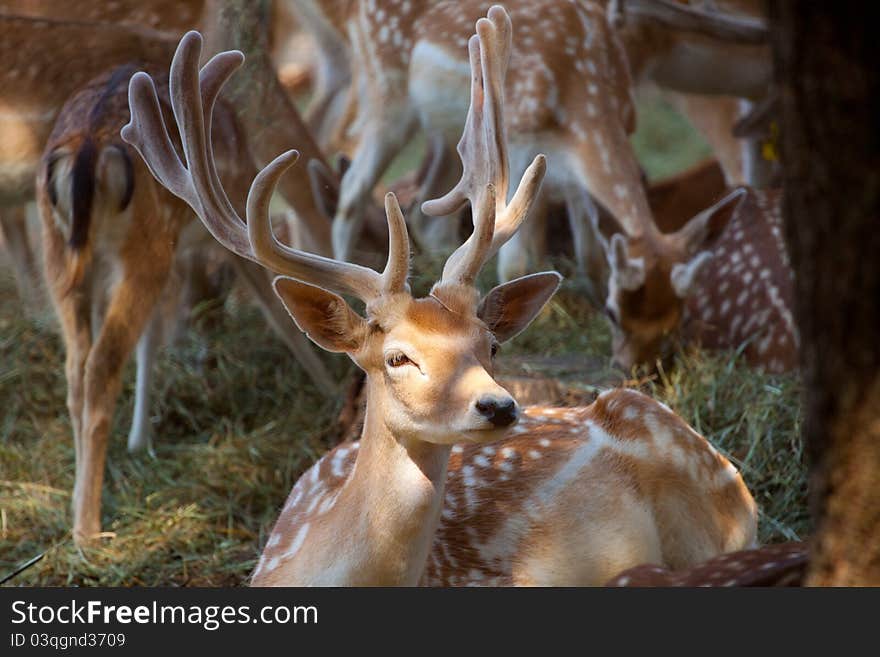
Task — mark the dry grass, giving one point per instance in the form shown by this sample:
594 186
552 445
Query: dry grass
236 422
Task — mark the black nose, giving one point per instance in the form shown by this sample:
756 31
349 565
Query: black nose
500 411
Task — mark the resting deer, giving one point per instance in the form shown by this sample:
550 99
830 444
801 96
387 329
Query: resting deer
782 564
451 482
113 240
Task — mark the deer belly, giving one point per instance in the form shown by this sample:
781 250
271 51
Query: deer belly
439 89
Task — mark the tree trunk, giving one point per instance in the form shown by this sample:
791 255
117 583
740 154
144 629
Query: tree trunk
826 59
270 120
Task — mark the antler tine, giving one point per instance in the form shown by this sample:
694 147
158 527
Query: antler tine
471 149
483 152
466 261
496 35
397 269
192 99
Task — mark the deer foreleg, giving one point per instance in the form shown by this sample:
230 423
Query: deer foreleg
387 131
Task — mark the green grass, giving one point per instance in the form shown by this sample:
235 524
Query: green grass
664 141
236 422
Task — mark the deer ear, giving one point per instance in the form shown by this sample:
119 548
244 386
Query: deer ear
509 308
684 274
324 317
707 225
628 273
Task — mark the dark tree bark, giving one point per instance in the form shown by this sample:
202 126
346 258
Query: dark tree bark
270 120
827 60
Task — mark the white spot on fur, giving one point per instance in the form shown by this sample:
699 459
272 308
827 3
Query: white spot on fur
298 540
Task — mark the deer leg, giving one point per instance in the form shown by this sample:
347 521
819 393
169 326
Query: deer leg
13 226
588 252
526 248
140 435
328 110
131 303
384 136
73 314
73 308
254 277
443 171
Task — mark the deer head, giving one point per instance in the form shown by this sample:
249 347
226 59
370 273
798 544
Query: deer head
651 274
428 360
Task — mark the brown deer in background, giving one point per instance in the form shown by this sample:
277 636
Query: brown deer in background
35 85
112 239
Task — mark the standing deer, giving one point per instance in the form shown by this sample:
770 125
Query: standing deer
569 74
112 239
712 60
451 482
35 86
698 50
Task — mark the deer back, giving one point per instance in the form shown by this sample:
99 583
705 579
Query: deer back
745 293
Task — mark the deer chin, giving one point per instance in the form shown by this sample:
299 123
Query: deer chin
464 435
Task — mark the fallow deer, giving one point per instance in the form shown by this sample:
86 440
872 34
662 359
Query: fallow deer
113 240
445 485
36 80
691 49
676 198
782 564
409 67
723 280
569 74
712 61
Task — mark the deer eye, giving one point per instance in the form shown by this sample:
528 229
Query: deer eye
398 359
493 350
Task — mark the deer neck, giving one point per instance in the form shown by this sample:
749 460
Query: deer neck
387 511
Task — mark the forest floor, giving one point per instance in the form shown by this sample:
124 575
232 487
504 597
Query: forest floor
236 421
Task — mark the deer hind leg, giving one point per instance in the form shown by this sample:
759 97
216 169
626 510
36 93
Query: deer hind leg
13 227
140 434
73 313
387 129
130 304
73 309
618 532
255 279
